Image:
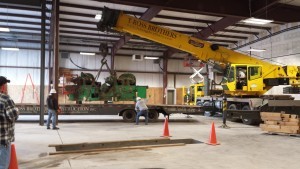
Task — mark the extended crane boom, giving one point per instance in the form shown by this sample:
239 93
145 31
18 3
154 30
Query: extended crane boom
260 75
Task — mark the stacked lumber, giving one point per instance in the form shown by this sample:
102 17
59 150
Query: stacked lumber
280 122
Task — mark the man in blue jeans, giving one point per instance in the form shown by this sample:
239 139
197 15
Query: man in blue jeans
9 113
52 104
142 109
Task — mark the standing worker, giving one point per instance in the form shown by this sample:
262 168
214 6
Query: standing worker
9 113
142 109
52 104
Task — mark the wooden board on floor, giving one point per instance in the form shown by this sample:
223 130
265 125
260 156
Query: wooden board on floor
117 149
115 144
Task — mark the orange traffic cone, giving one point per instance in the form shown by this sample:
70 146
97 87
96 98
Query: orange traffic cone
212 137
166 129
13 158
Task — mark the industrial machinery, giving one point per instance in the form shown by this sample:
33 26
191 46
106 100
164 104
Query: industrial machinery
85 87
244 94
193 92
113 89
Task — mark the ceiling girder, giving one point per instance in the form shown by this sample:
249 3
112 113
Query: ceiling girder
237 8
22 2
216 27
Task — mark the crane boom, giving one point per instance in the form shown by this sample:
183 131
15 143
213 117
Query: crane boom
260 76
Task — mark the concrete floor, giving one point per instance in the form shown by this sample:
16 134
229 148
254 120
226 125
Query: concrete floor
241 146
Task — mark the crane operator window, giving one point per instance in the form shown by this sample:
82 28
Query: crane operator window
254 72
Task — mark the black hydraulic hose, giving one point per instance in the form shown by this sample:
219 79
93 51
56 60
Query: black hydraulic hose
76 64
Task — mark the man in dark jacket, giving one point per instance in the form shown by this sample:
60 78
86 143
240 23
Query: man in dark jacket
52 104
9 113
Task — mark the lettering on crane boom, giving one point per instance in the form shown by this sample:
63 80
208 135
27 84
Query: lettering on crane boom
150 28
196 44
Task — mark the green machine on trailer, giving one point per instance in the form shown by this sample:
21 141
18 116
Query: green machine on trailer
86 87
124 88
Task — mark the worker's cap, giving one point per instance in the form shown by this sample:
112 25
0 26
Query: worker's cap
138 98
52 91
3 80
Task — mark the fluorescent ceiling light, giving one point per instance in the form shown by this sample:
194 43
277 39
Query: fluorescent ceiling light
87 53
98 16
151 57
4 29
14 49
256 50
257 21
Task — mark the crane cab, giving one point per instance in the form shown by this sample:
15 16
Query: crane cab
243 78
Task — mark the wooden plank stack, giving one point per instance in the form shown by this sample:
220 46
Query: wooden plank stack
280 122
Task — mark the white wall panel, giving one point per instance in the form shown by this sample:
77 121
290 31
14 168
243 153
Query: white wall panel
85 61
22 58
177 66
182 80
283 48
151 80
126 63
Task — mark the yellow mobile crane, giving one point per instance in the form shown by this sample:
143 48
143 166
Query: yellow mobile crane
243 92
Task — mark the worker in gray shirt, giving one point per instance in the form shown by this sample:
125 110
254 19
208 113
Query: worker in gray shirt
141 109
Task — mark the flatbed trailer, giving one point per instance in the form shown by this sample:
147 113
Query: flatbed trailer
127 111
248 109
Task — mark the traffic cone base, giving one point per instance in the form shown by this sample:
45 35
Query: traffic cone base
213 144
212 138
13 158
166 129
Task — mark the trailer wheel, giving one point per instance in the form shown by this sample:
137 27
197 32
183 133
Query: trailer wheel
153 115
246 120
129 115
233 107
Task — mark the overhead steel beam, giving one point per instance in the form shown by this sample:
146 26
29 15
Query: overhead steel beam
17 6
236 8
283 12
148 15
216 27
22 2
174 25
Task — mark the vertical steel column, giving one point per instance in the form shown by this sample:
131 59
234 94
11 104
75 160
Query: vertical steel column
50 44
56 47
165 78
207 85
42 75
56 51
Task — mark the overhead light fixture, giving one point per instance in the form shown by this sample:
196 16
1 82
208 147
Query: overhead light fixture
151 57
87 53
256 50
13 49
4 29
257 21
98 16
